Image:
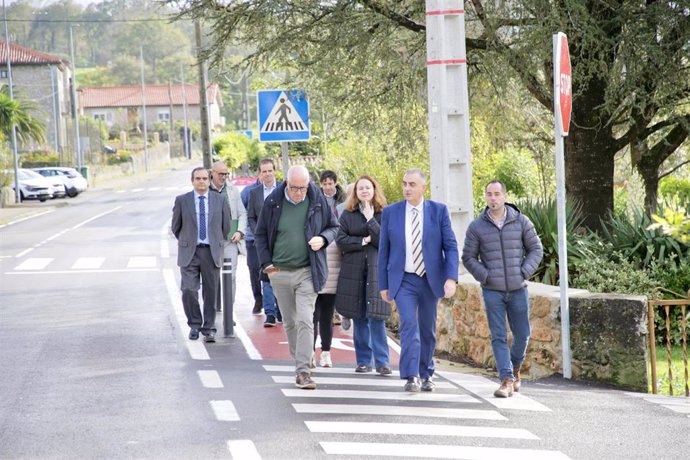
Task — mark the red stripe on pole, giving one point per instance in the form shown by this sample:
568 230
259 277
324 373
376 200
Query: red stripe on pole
446 61
444 12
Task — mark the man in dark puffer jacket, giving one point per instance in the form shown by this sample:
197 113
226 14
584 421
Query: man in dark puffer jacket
502 250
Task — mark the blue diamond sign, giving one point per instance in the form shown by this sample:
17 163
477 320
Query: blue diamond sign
283 115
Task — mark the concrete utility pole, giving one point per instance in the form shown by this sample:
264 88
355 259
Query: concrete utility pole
203 100
143 105
75 106
449 123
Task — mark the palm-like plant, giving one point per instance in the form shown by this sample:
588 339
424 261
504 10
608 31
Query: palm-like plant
580 244
19 113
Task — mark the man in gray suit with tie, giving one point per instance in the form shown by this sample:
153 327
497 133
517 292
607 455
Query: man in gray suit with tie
200 222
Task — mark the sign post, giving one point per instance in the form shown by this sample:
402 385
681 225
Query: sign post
562 107
283 117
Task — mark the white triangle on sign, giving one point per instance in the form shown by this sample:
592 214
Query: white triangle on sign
283 117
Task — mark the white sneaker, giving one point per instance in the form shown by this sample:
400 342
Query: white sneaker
326 359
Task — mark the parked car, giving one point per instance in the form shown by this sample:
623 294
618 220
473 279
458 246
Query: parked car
32 186
59 188
74 182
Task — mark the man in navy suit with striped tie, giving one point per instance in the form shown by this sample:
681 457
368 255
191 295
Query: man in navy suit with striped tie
418 264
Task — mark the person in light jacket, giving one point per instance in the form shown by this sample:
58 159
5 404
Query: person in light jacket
357 296
325 306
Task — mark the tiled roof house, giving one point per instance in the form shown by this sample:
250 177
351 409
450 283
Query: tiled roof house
45 80
121 105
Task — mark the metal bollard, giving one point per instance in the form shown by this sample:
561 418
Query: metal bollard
228 324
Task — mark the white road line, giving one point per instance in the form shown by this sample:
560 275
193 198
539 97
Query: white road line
34 263
52 237
154 189
380 395
225 411
484 388
26 218
243 449
88 263
141 262
438 451
418 429
195 347
374 381
210 379
325 370
81 272
372 409
137 190
248 345
95 217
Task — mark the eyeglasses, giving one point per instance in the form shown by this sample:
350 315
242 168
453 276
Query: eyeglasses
298 189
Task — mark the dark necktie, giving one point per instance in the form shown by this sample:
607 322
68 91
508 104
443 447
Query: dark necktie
202 218
417 244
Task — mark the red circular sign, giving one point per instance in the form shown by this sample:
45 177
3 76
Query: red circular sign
565 86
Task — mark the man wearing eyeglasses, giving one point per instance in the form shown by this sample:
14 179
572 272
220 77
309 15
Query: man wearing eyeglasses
238 221
294 228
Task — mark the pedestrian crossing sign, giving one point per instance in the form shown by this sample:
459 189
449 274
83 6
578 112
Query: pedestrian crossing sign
283 115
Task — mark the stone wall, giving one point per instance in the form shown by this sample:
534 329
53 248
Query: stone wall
608 333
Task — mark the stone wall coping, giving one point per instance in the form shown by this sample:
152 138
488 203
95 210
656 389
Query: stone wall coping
538 289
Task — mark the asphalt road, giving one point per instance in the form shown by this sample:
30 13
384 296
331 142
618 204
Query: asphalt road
96 364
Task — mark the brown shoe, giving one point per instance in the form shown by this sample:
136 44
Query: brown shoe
517 382
304 381
505 390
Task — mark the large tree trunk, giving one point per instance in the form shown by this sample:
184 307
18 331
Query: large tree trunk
589 159
589 175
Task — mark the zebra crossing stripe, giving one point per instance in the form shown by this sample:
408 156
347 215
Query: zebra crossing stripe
243 449
323 370
196 348
419 429
484 388
34 263
373 381
371 409
381 395
437 451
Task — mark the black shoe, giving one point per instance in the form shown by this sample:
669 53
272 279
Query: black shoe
384 370
256 311
270 321
193 334
412 385
428 385
210 337
279 317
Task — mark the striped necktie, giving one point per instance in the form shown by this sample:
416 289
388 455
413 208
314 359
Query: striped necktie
417 257
202 218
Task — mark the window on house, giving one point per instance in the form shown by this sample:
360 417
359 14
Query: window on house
99 116
163 115
3 74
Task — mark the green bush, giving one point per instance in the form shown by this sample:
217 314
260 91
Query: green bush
639 242
544 216
672 187
614 273
236 149
122 156
39 158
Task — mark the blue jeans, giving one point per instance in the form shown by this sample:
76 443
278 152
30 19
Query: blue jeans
515 305
268 299
371 342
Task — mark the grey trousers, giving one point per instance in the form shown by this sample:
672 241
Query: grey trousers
295 293
201 268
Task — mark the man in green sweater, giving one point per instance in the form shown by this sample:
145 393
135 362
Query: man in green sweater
294 228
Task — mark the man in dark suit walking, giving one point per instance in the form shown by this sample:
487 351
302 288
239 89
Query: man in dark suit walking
200 222
418 264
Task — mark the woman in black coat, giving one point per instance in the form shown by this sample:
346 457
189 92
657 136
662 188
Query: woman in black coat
357 296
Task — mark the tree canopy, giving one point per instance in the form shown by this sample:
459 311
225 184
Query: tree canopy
631 76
